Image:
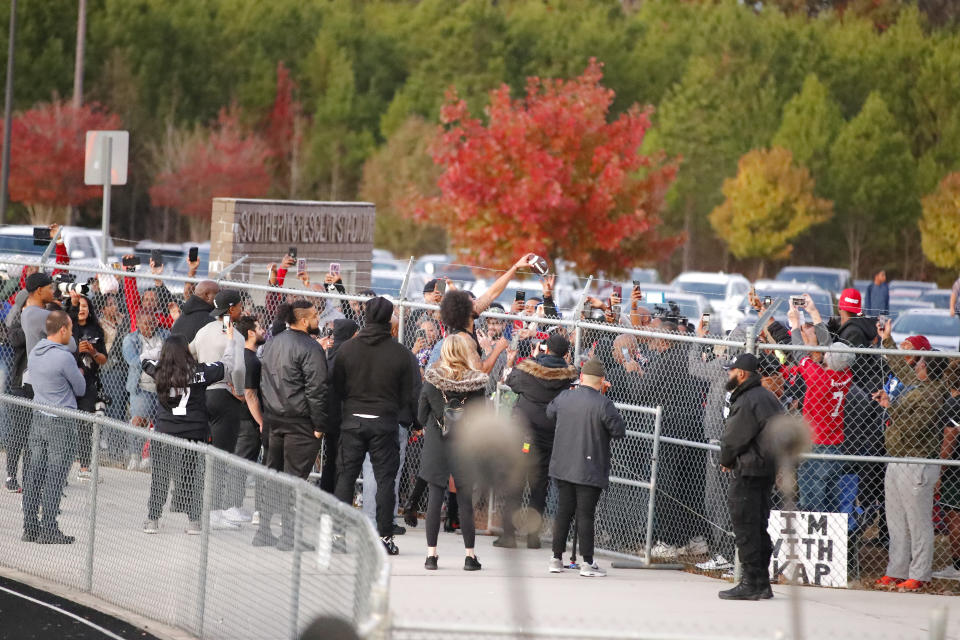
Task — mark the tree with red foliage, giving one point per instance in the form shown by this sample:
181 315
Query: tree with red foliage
225 162
549 174
47 157
283 128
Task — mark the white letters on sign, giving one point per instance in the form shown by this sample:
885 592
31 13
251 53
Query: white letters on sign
819 547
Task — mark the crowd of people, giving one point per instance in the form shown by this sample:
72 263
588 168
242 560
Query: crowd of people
307 384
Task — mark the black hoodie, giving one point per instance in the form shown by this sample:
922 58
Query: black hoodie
194 315
372 374
868 371
343 330
537 382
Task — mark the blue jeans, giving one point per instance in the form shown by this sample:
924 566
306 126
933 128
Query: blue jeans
817 481
53 448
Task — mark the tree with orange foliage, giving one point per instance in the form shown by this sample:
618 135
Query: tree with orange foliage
549 174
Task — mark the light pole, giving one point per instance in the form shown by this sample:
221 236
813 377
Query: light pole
7 115
78 63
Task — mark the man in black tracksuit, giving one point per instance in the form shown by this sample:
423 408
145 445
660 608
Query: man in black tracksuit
537 381
293 384
745 449
373 378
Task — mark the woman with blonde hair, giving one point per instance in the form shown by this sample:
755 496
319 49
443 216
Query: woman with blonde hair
449 385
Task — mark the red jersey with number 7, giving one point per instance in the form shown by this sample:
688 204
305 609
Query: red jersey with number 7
824 400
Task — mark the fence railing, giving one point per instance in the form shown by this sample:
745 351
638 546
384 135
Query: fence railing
860 432
193 572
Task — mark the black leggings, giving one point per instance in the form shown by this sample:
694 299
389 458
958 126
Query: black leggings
582 500
434 504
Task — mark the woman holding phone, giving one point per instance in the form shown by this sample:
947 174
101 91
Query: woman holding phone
452 382
91 355
182 412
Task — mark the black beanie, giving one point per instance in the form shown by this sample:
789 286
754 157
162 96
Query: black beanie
343 330
379 311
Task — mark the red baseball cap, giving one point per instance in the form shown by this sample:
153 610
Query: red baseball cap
920 343
850 301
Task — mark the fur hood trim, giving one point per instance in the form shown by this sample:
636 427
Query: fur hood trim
547 373
473 381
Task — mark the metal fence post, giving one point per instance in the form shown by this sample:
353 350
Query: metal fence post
577 312
403 297
208 484
92 512
295 569
654 456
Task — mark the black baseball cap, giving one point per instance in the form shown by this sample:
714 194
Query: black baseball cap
431 285
224 300
37 280
744 362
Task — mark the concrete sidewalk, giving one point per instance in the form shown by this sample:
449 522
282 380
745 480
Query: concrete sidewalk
514 585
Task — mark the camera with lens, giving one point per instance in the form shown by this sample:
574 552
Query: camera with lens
67 284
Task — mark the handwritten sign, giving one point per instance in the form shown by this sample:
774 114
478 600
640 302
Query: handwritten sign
819 541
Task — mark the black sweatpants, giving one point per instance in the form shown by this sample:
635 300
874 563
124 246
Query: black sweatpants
541 448
18 432
183 466
749 501
292 450
225 412
580 499
248 448
378 437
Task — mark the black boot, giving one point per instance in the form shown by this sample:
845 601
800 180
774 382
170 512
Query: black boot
746 590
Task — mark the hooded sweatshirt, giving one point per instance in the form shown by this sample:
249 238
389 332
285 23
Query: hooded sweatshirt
372 375
537 382
33 320
61 381
194 315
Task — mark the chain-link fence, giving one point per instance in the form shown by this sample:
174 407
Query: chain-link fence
881 421
144 539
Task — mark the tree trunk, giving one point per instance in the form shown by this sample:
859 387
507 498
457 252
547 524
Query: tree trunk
688 230
166 224
855 232
761 269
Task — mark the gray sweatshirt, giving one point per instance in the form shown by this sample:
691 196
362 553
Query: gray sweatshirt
34 323
61 381
209 346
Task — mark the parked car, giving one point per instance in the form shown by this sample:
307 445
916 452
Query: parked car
909 288
726 293
172 252
780 293
942 330
83 245
901 305
939 297
645 276
828 279
387 282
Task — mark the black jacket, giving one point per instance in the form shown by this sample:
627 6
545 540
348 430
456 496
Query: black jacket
537 382
408 415
586 422
745 445
373 375
194 315
436 461
293 381
17 340
869 372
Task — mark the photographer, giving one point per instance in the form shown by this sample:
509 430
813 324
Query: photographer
91 355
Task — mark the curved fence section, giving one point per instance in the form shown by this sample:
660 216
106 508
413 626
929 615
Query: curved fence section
142 538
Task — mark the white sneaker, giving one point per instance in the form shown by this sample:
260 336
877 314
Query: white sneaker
696 547
255 518
949 572
592 571
237 515
145 464
556 565
133 463
219 522
717 563
663 551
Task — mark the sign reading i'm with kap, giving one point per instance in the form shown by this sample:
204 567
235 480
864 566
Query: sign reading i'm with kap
819 540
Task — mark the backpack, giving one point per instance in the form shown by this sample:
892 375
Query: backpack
452 413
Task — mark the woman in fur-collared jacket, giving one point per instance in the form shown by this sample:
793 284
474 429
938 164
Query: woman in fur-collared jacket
453 382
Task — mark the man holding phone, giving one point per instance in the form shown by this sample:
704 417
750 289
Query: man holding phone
224 402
